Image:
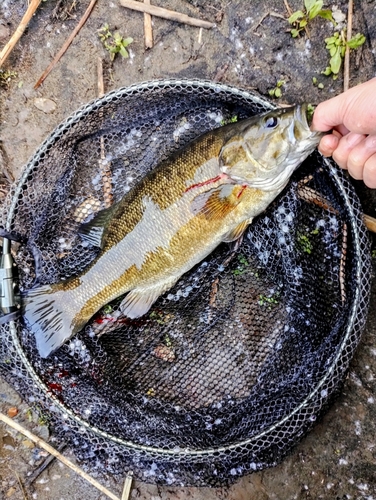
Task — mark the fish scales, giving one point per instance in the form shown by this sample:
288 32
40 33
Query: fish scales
172 219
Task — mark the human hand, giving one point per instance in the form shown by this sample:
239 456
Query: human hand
352 118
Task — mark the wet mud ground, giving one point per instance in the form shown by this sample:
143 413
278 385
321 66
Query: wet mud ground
249 48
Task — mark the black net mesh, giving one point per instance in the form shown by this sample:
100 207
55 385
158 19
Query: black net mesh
235 363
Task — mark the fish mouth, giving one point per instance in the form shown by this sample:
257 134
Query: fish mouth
301 115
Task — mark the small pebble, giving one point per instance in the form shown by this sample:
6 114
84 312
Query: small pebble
12 412
45 105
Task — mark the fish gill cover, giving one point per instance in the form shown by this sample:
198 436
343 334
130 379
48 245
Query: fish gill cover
231 366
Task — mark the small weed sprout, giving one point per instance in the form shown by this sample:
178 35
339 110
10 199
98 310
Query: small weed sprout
277 92
315 82
373 254
233 119
336 46
268 301
301 18
114 43
6 77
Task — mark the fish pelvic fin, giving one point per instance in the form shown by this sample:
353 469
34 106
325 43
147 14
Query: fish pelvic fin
50 314
139 301
93 231
216 203
237 232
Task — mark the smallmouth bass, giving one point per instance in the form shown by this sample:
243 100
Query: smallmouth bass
204 195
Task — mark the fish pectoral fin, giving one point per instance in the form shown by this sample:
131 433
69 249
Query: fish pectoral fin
93 230
139 301
237 232
216 203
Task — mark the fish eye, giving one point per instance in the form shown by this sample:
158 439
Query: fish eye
271 122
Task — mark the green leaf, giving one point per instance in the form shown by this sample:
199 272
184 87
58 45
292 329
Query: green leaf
308 4
277 93
356 41
272 92
294 33
127 41
123 51
314 80
327 71
333 50
327 14
295 16
315 9
335 62
280 83
303 23
320 85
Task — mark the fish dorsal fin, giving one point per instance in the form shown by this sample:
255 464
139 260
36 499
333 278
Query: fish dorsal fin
93 230
139 301
216 203
237 232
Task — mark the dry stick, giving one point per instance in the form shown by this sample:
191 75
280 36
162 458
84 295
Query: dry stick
127 486
19 31
42 444
46 462
104 164
346 65
165 14
148 30
66 44
370 222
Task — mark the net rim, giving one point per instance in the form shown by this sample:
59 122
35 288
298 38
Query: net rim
150 86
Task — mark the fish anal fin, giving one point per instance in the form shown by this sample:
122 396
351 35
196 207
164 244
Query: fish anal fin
139 301
93 230
237 232
216 203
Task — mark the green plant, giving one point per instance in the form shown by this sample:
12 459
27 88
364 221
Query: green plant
269 301
233 119
243 264
6 77
315 82
277 92
373 254
301 18
114 43
336 46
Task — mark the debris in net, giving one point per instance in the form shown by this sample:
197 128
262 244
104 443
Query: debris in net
127 486
166 14
12 412
370 223
19 31
66 44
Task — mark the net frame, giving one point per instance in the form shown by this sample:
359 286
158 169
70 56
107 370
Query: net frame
218 464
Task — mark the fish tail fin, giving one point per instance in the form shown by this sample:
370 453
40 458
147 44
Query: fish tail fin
50 313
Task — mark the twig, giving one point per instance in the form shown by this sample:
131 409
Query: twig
21 485
274 14
66 44
288 8
55 453
346 64
104 164
100 78
19 31
165 13
127 486
46 462
370 223
148 30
